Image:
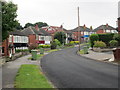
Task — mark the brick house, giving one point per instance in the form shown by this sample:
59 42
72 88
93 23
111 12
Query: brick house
53 29
16 40
84 33
105 29
37 36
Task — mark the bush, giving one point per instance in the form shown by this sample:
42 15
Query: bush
53 45
117 37
99 44
69 44
93 38
33 46
106 38
74 42
113 43
44 46
20 50
57 42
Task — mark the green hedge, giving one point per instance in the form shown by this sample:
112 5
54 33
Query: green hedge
20 50
117 37
44 46
93 38
106 37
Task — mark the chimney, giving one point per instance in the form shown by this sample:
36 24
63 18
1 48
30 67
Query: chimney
36 27
91 28
84 26
106 24
61 26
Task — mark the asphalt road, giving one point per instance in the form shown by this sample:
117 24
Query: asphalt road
65 69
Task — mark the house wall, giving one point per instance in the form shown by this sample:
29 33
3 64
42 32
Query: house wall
100 32
5 46
32 39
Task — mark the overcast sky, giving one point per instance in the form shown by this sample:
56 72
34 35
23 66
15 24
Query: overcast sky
57 12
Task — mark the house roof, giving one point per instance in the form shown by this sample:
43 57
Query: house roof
104 27
45 33
17 32
28 31
82 28
32 30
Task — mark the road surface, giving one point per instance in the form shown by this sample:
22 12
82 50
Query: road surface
66 69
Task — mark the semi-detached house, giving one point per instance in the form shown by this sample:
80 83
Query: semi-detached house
16 40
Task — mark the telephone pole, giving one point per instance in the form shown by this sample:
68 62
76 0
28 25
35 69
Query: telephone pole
79 30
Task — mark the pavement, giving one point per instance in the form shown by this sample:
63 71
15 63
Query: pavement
10 69
101 56
66 69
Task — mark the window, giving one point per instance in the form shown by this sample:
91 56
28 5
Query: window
10 38
42 38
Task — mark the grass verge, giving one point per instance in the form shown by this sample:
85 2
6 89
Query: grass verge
30 76
81 52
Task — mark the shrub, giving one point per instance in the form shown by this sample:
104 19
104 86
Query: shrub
93 37
99 44
57 42
117 37
106 38
75 42
33 46
20 50
113 43
69 44
44 46
53 45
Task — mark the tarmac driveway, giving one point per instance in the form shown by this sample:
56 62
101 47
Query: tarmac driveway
68 70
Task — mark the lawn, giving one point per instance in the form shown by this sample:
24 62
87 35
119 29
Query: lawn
30 76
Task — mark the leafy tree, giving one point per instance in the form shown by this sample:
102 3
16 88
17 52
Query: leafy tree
9 15
60 36
41 24
19 27
28 24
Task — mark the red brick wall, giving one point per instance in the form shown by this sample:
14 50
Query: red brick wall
6 44
100 32
32 39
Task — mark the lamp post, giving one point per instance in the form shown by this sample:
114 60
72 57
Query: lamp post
78 30
62 34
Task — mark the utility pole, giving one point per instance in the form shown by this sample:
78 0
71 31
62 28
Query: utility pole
79 30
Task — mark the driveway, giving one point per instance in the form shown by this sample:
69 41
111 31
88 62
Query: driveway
68 70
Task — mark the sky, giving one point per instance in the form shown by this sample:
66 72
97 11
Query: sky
64 12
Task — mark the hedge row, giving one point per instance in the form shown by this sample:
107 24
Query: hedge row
106 38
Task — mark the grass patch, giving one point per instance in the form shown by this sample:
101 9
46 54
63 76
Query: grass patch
81 52
30 76
38 57
51 50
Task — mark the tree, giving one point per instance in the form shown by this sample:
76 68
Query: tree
60 36
19 27
9 15
28 24
41 24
